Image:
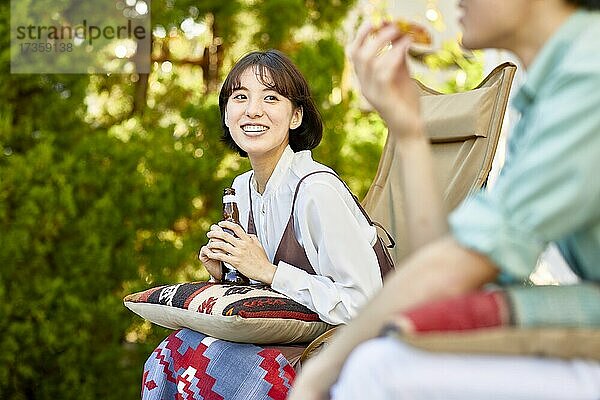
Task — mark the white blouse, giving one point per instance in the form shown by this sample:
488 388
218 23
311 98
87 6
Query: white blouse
328 224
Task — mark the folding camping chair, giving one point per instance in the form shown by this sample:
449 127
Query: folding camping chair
464 129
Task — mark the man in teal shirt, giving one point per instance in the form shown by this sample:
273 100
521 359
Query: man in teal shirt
548 191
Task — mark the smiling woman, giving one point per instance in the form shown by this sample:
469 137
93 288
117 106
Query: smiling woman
273 73
302 232
259 120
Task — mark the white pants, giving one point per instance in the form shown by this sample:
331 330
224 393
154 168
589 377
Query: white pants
387 369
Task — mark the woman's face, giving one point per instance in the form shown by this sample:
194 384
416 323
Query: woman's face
259 119
493 23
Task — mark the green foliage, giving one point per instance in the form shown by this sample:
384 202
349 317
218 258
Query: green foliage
279 17
463 71
99 198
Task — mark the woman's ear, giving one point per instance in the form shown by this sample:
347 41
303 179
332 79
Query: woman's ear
297 118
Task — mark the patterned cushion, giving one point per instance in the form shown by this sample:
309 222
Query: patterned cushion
246 314
557 321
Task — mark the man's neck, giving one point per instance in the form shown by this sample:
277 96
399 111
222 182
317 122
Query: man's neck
546 20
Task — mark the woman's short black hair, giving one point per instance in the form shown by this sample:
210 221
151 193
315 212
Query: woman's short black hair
277 72
589 4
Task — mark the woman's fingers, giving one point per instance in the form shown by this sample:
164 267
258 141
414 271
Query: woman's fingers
215 227
210 262
223 232
222 235
207 253
202 254
224 247
237 229
222 244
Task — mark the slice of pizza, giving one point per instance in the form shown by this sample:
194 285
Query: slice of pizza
419 34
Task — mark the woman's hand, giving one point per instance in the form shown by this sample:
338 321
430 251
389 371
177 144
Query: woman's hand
212 265
384 77
243 251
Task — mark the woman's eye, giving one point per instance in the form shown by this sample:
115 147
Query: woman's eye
271 98
239 96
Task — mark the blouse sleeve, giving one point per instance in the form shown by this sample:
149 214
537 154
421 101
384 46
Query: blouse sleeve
338 245
549 188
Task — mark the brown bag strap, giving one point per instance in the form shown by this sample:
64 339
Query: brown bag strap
369 220
251 227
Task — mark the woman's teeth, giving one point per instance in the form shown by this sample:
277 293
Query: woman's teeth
254 128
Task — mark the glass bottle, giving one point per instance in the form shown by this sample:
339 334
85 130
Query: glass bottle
232 214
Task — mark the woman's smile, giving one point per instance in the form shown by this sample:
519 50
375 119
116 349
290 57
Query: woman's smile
254 129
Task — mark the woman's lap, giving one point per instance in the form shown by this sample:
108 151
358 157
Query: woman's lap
190 365
386 368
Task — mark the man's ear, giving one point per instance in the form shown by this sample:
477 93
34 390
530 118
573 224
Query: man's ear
297 118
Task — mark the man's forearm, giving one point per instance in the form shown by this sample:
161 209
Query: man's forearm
424 211
442 269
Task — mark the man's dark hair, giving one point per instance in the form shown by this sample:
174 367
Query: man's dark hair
589 4
274 70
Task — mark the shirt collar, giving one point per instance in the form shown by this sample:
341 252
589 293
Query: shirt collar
550 57
279 172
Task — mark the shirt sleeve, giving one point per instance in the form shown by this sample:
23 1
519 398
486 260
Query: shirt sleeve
549 188
339 248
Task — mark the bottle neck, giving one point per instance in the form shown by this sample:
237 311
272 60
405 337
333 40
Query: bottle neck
230 212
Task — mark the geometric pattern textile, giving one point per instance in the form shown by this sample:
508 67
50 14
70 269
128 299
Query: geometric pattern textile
191 365
238 313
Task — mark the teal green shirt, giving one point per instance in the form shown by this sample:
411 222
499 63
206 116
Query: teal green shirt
549 188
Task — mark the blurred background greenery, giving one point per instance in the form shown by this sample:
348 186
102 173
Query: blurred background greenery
108 183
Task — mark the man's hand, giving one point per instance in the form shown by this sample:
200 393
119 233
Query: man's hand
380 61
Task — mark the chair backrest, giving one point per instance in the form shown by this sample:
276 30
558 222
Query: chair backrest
464 129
